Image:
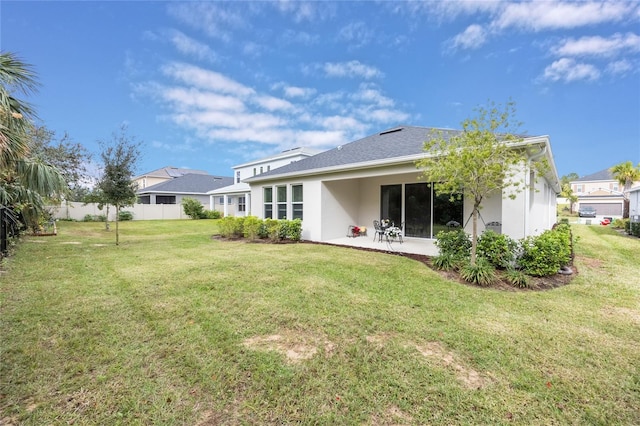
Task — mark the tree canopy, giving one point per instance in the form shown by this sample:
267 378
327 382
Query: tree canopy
480 161
26 182
626 174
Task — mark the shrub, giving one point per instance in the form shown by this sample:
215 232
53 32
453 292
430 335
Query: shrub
294 230
546 253
193 208
125 215
619 223
94 218
212 214
251 227
517 278
634 228
498 249
226 226
445 262
482 272
272 229
455 243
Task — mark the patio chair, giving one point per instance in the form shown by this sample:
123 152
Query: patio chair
379 232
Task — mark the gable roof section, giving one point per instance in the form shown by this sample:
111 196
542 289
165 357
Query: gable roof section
192 183
601 175
394 143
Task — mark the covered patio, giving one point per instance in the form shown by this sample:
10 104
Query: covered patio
421 246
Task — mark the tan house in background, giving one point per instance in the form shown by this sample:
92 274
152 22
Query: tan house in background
164 174
601 191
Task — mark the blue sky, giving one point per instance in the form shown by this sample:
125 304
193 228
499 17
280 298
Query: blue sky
213 84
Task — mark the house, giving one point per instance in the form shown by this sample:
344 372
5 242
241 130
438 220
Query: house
376 177
235 200
634 204
172 191
163 174
601 191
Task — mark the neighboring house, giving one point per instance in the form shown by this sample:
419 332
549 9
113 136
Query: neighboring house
164 174
376 178
194 185
634 204
235 200
601 191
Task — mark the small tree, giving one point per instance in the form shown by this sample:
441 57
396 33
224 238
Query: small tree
120 160
193 208
626 174
479 161
566 191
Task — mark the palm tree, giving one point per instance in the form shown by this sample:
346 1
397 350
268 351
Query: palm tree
625 173
25 183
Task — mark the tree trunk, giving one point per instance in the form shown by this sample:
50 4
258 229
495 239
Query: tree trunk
117 233
474 235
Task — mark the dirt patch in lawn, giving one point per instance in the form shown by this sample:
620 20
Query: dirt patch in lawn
470 378
295 346
391 416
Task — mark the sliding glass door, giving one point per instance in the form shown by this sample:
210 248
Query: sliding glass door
423 212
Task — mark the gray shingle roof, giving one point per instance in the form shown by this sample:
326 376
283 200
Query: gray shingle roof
172 172
192 183
601 175
392 143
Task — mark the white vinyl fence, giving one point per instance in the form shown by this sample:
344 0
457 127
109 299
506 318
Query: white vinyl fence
78 211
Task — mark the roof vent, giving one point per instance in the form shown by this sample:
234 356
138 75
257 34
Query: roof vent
386 132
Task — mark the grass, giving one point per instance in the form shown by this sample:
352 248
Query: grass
175 328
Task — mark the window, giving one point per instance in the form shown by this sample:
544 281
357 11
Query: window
260 169
268 168
221 201
238 176
242 204
254 171
268 203
165 199
282 201
296 199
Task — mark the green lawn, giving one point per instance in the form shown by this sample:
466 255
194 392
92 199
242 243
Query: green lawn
174 327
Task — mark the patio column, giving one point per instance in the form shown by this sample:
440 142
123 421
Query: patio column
226 202
247 198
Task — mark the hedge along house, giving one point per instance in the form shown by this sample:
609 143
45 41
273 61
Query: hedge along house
376 178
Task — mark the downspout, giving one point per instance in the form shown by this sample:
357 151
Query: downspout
527 196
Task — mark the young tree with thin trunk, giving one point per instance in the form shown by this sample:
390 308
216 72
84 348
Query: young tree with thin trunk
482 160
626 174
120 159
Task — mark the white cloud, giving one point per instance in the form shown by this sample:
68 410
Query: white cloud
192 98
191 47
471 38
369 94
599 46
298 37
351 69
542 15
620 67
298 92
357 34
212 18
206 79
271 103
568 70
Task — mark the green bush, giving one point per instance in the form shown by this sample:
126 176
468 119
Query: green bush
94 218
634 228
251 227
517 278
125 215
446 262
546 253
482 272
294 230
212 214
455 243
619 223
226 226
193 208
498 249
